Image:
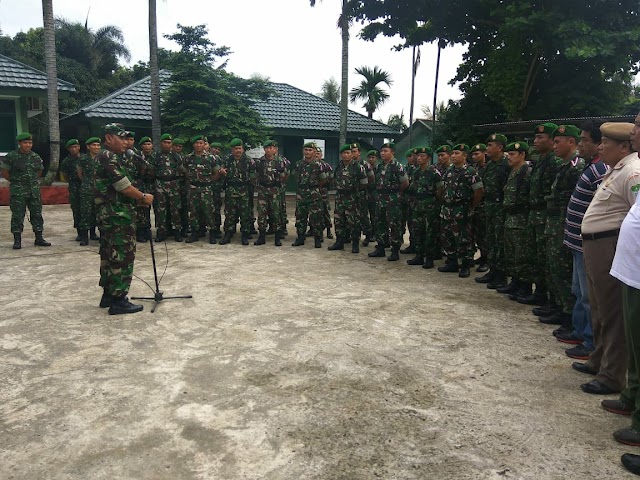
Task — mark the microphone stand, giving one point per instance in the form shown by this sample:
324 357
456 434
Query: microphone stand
158 297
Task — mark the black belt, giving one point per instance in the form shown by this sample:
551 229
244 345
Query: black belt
599 235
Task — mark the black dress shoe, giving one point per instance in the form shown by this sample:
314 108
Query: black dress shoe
579 352
583 368
631 462
617 407
486 278
122 305
553 319
628 436
598 388
569 338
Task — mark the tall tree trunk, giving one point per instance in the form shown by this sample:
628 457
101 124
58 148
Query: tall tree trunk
344 92
52 91
155 74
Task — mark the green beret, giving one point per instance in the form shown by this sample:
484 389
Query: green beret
270 143
547 127
463 147
373 153
130 135
497 137
73 141
345 147
195 138
166 136
309 145
517 147
215 145
409 152
355 146
478 147
144 140
566 131
443 149
419 150
390 145
236 142
118 130
23 136
178 141
92 140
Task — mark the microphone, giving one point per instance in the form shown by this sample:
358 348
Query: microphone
131 154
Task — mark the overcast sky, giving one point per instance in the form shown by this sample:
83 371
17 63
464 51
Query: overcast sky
285 40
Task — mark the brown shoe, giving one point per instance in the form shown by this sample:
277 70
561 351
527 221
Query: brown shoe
617 407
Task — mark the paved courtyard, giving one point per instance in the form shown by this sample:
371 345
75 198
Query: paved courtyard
288 363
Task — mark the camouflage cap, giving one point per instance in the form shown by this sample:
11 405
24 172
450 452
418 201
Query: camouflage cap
546 127
345 147
443 149
373 153
116 129
270 143
71 142
424 150
478 147
166 136
91 140
196 138
498 138
463 147
178 141
145 140
517 147
566 131
236 142
390 145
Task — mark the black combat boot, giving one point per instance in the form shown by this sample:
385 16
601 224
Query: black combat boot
106 300
417 260
84 238
17 241
194 237
395 254
317 242
93 235
78 235
450 266
428 263
556 318
160 237
329 234
538 298
355 243
499 280
410 249
367 239
464 270
177 236
227 238
244 238
216 233
202 232
40 241
262 238
523 290
482 266
212 238
546 309
299 240
122 305
278 239
378 252
487 277
339 245
511 287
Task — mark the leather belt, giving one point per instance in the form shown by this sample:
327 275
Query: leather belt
599 235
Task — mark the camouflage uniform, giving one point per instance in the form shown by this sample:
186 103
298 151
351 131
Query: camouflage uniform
324 191
364 199
559 257
282 192
457 235
116 216
372 203
199 172
169 173
406 201
543 175
143 180
494 180
389 177
68 167
442 169
349 180
423 186
270 175
218 188
516 207
237 204
24 189
88 209
309 203
480 221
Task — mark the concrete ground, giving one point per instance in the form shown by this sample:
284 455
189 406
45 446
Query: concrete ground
288 363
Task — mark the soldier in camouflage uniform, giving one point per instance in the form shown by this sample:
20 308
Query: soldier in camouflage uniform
324 191
169 175
479 158
463 190
200 172
494 180
177 148
309 204
68 168
363 196
271 175
559 257
116 199
391 180
543 175
407 201
218 187
372 196
238 171
349 180
426 186
283 195
516 208
86 169
145 181
23 167
444 162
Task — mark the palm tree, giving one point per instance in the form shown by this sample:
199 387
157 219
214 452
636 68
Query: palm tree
330 91
344 21
52 90
369 91
155 74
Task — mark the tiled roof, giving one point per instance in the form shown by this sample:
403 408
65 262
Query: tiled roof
14 74
290 108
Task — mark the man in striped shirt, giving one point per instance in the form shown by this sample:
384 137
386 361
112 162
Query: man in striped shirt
580 332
